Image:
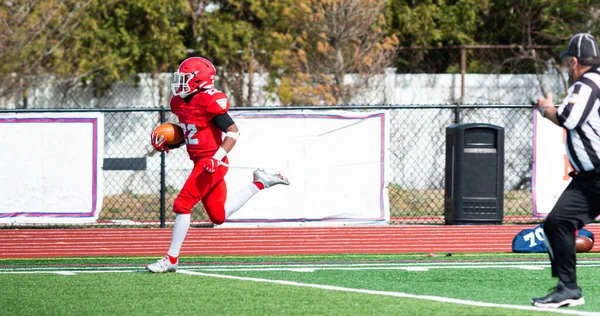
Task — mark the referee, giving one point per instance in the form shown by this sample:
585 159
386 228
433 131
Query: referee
579 203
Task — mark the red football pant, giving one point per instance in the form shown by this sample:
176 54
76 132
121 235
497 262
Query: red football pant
210 188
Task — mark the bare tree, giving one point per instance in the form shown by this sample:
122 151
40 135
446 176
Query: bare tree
198 7
337 38
31 35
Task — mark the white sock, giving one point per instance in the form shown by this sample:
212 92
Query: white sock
235 201
180 228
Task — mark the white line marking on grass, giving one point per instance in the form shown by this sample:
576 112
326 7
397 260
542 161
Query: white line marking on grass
532 267
415 268
353 268
461 265
301 270
307 267
66 272
8 270
395 294
69 272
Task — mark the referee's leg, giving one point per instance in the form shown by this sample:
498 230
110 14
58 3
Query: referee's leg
571 212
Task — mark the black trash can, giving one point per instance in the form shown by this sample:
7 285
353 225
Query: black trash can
474 193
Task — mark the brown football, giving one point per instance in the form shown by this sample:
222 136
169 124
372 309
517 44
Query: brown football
584 243
172 133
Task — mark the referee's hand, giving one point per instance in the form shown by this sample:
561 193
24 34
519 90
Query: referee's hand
545 102
547 109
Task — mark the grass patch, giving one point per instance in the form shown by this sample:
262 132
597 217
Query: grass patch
485 277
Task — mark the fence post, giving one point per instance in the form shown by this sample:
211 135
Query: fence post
457 113
163 190
463 72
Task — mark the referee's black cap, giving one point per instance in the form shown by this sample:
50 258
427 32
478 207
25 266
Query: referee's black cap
584 46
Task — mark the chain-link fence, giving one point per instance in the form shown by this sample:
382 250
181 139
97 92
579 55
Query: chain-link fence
418 149
140 184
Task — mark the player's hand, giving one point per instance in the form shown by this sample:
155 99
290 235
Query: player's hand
211 164
158 142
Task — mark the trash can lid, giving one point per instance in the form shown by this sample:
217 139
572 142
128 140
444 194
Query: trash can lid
475 125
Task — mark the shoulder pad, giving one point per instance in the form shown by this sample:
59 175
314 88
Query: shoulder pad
218 103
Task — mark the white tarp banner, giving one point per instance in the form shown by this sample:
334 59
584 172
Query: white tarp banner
336 162
51 167
551 165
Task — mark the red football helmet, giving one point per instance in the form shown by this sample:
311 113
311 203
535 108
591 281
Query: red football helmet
193 74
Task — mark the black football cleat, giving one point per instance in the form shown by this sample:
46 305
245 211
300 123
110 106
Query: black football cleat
561 296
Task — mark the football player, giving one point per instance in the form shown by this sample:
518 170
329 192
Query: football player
202 113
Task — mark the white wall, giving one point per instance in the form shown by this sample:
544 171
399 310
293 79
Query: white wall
390 88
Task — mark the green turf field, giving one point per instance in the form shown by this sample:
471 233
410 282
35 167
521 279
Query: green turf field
409 284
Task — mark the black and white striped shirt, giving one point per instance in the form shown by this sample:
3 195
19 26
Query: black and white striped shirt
579 114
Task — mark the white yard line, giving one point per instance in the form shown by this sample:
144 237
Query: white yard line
395 294
413 267
67 272
305 267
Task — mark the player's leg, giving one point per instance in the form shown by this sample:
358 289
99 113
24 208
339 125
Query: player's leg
195 187
214 202
220 205
262 179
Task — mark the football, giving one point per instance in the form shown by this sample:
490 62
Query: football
584 243
172 132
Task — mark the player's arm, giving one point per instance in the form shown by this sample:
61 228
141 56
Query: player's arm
218 108
231 135
226 124
176 109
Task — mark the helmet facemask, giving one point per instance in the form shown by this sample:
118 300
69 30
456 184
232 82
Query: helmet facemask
181 84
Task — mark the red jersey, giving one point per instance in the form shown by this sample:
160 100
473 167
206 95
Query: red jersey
202 137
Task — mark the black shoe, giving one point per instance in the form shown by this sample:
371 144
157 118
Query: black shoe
559 297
